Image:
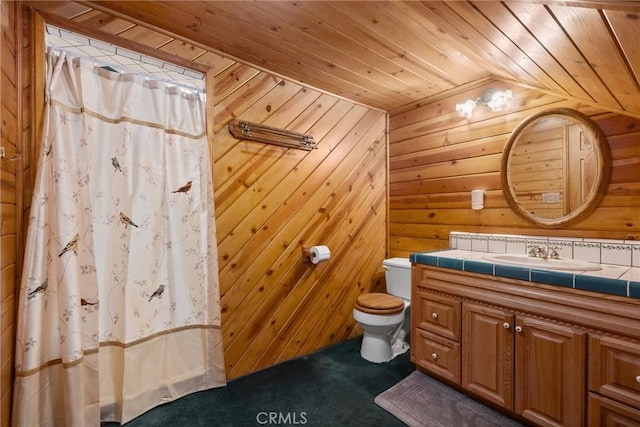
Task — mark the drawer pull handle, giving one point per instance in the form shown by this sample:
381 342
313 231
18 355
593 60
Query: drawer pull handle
518 328
434 315
505 325
638 379
434 356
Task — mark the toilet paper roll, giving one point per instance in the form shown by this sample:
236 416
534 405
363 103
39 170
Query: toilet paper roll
319 254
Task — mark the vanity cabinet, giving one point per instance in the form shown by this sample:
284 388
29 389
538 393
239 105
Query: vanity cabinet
552 355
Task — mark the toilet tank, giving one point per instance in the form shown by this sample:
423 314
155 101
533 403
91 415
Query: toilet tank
397 273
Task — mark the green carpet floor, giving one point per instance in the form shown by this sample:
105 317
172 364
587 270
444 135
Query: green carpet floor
332 387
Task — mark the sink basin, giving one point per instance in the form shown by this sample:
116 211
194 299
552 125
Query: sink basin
542 263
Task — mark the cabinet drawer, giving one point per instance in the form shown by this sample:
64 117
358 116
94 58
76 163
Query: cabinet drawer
436 354
438 314
614 369
605 412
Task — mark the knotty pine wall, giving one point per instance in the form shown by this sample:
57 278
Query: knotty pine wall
10 195
436 158
17 180
271 201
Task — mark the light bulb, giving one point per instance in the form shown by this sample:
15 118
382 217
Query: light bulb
466 108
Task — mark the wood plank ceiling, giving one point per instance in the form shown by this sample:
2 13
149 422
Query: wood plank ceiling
388 54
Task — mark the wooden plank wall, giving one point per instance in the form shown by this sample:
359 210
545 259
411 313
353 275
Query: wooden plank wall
9 95
436 158
271 201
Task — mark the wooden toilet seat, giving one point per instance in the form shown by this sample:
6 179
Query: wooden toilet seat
378 303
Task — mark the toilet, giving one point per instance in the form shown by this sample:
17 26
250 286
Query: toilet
385 318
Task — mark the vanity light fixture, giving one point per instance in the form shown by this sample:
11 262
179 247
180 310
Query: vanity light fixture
492 98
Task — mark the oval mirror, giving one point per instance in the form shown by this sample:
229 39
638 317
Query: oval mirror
555 167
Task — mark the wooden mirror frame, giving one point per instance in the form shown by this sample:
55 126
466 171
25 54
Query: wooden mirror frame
596 194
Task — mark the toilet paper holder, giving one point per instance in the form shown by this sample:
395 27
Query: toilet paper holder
306 254
309 255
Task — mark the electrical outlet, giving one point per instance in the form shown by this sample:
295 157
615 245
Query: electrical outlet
550 197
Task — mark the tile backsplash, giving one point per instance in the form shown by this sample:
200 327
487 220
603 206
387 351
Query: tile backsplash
603 251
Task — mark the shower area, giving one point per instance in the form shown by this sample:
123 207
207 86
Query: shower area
119 303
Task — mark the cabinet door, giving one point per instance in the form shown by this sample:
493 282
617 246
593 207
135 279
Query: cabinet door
487 353
550 372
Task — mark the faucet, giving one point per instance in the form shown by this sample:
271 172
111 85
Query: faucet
538 252
541 253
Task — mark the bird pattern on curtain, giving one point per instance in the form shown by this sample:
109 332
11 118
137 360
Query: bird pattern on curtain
72 246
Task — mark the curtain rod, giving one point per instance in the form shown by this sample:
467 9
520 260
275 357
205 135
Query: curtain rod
122 69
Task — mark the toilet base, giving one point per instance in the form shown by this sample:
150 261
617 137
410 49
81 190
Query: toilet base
379 349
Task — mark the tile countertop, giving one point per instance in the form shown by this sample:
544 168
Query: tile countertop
612 279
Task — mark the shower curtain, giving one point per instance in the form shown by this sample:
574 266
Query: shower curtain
119 307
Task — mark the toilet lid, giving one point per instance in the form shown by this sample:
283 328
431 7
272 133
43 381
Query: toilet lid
377 303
